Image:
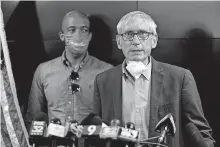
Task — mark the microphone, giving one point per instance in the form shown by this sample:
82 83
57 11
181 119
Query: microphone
115 122
129 134
38 129
56 130
92 119
110 132
92 125
165 126
72 123
71 134
130 125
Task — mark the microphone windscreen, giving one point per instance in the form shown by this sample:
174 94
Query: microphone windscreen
92 119
87 120
97 120
166 121
130 125
55 120
42 117
39 125
115 122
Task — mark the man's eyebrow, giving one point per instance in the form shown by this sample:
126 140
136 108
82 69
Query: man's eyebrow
84 27
74 27
71 27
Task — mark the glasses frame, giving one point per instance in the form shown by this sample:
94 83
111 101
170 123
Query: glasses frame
135 33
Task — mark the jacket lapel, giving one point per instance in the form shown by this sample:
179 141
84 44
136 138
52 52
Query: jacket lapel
156 89
117 93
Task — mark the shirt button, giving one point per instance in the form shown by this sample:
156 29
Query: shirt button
137 111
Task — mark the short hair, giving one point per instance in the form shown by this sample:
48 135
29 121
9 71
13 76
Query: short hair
78 13
134 15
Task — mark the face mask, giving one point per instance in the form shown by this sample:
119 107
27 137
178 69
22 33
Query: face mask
69 40
136 68
76 44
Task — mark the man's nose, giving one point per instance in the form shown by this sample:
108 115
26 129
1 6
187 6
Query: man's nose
136 40
77 35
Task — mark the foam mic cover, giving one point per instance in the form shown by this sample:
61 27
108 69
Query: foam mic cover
38 129
92 119
130 125
129 133
42 117
72 123
55 128
115 122
111 131
55 121
92 125
166 121
39 125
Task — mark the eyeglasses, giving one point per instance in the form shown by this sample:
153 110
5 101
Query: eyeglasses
129 36
74 76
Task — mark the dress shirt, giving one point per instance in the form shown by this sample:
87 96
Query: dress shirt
51 89
136 99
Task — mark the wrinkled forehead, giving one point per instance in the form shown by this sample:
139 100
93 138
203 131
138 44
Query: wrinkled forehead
136 24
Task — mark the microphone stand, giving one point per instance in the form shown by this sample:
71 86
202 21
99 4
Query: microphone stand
54 143
162 136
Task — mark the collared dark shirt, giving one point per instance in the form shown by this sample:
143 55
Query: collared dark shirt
51 89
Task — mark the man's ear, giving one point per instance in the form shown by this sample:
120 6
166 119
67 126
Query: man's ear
118 42
62 38
154 41
90 36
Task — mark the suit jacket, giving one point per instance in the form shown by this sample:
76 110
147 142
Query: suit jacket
173 90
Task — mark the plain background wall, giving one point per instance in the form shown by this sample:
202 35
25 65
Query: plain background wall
189 36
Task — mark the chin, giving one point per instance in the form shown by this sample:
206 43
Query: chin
137 58
77 51
77 54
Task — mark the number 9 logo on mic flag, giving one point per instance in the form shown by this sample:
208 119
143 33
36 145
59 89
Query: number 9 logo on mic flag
91 130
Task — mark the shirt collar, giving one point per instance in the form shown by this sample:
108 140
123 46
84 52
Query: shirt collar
67 63
146 73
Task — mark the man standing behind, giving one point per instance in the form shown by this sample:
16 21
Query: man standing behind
142 90
63 87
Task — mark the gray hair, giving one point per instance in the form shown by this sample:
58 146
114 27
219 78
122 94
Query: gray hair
134 15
